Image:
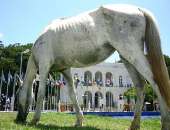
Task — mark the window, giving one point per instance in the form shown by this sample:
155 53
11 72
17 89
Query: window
98 78
109 81
120 81
87 99
109 99
87 78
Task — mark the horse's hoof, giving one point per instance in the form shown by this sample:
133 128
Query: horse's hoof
20 122
20 119
134 128
79 125
34 122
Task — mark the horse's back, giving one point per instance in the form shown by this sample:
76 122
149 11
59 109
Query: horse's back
123 8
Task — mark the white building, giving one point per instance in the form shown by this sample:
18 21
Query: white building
100 87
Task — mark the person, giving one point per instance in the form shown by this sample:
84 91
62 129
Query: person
7 103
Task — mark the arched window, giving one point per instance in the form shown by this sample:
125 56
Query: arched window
109 100
87 99
120 81
98 99
109 79
98 78
87 78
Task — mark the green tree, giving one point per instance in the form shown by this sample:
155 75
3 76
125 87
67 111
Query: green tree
167 61
150 96
130 93
10 57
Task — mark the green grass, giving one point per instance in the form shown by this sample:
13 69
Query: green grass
62 121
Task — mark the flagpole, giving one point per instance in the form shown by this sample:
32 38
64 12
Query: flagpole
13 94
1 83
7 89
9 80
6 97
48 96
0 88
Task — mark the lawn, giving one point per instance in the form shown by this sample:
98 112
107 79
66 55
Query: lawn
62 121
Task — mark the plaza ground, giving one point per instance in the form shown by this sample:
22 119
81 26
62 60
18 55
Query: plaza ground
63 121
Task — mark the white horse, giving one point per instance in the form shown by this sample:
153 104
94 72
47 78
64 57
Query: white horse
90 38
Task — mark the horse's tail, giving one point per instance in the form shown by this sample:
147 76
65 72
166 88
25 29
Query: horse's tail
155 56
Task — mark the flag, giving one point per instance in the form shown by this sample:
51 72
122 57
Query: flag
61 84
51 78
52 81
19 79
9 77
3 77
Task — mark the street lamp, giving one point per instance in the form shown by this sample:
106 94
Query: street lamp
20 71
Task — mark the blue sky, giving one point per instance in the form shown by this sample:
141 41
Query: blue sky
21 21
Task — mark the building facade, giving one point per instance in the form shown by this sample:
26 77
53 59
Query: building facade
98 87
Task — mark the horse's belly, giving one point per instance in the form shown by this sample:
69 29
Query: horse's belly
92 55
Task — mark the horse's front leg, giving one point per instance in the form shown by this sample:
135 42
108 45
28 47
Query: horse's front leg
24 94
43 72
23 105
72 94
139 83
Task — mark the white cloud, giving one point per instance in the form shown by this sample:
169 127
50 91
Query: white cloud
1 35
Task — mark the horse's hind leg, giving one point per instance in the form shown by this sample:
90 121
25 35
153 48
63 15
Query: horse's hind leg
135 56
139 83
44 68
133 53
72 94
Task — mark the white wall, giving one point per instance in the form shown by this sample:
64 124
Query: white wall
116 69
